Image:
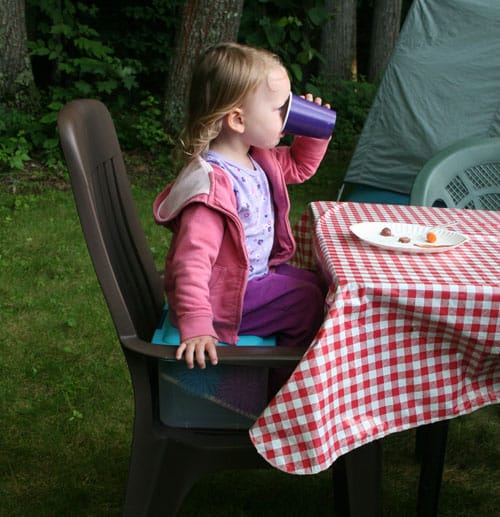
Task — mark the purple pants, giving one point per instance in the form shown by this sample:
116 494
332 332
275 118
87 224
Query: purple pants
288 302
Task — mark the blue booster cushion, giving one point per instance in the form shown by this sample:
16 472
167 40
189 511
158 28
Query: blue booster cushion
167 334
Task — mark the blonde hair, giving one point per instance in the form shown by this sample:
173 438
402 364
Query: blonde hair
223 76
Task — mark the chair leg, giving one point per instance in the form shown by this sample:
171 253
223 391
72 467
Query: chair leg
150 453
161 475
357 485
145 467
181 467
431 448
419 442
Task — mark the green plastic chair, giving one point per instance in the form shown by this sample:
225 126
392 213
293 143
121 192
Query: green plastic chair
464 175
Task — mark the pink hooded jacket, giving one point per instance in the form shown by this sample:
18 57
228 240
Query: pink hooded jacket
206 268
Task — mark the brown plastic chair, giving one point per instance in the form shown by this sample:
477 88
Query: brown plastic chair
165 461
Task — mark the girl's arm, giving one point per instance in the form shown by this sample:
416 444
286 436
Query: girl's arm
299 162
197 246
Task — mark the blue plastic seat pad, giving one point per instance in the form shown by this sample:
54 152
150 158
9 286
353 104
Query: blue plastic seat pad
167 334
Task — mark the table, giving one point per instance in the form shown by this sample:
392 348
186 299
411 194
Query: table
408 339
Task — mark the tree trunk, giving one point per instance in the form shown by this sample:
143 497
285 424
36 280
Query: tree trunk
385 31
204 22
17 85
338 41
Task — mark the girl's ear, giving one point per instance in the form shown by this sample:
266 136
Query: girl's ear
235 120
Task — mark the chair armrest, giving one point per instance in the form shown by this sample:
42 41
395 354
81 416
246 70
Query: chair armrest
260 356
242 355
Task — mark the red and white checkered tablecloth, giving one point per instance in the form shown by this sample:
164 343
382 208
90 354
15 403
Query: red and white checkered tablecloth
408 339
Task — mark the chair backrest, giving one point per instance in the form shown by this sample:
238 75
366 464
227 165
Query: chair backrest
464 175
115 238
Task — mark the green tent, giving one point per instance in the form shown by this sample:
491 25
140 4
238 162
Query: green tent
442 85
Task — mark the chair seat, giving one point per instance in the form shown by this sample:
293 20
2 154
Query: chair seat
222 396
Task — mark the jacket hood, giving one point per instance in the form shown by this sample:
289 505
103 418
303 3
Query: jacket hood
193 181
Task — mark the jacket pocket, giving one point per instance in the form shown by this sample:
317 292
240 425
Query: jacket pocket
225 295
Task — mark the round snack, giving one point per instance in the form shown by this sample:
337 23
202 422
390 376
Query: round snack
404 239
431 237
386 232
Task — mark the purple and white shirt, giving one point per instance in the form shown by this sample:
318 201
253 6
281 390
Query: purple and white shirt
255 209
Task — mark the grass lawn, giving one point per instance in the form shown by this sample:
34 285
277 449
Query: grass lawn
66 407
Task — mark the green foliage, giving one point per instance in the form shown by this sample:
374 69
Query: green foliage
15 146
14 151
120 54
23 135
82 65
142 128
150 38
71 61
352 101
291 29
145 125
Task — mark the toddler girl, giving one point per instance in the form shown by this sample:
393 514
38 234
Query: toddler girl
226 271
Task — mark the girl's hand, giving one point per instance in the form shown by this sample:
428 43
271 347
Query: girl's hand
195 348
316 100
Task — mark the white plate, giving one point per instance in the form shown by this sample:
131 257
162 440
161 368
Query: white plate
370 232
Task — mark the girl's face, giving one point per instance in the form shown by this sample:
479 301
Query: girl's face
264 110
